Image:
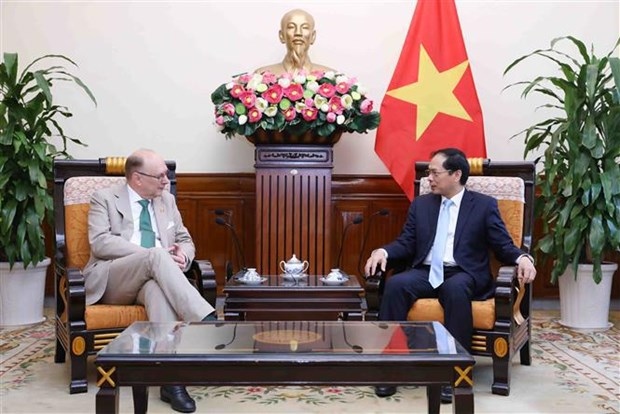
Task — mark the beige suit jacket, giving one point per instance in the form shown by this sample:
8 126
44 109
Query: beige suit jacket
110 227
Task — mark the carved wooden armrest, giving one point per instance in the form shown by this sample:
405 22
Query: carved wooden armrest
506 303
76 296
201 273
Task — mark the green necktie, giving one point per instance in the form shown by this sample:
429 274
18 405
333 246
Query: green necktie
148 235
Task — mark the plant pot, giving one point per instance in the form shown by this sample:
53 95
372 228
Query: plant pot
262 137
583 303
21 293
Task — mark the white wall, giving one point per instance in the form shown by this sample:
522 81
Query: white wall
152 65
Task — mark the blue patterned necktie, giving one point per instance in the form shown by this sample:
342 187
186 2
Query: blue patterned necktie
435 276
146 228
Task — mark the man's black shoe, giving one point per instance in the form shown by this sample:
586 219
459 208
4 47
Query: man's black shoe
178 398
446 394
385 391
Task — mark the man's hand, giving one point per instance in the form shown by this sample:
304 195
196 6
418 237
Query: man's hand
377 257
178 256
526 272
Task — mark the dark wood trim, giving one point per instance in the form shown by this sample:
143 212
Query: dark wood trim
199 195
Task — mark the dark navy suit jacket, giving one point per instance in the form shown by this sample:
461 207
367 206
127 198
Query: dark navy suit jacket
479 227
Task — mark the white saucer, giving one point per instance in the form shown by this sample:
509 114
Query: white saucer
251 281
293 276
337 282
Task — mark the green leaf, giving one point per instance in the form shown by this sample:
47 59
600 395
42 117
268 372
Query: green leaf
44 85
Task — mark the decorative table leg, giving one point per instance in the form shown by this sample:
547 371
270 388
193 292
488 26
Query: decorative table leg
107 401
433 393
140 399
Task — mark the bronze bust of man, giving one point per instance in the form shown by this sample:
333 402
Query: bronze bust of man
298 34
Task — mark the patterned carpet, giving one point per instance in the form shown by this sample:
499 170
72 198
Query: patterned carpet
572 372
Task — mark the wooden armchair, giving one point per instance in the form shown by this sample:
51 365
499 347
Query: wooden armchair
502 323
83 330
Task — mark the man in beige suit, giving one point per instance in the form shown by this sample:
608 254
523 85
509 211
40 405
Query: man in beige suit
139 250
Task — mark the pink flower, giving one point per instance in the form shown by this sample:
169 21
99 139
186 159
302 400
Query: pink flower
219 120
245 78
254 115
309 114
335 105
343 87
248 99
228 109
294 92
290 114
236 91
366 106
327 90
274 94
269 78
331 117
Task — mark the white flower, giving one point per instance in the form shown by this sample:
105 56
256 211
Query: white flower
271 111
361 89
243 119
230 85
340 119
300 79
346 100
342 78
324 108
284 82
312 86
356 95
299 106
319 101
261 104
256 80
330 74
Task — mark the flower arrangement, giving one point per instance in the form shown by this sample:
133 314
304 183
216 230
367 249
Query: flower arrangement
324 102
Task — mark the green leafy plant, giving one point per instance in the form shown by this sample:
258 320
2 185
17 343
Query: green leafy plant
29 124
580 176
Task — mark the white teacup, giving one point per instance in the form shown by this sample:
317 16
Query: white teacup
251 274
334 274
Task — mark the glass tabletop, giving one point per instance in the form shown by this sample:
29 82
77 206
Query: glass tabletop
329 337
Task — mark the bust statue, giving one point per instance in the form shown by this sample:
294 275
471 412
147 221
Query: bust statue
298 34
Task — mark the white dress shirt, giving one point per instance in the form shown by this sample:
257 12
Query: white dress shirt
136 210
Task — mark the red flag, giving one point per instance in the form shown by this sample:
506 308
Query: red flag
431 102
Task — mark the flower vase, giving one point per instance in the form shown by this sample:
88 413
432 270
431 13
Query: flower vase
310 137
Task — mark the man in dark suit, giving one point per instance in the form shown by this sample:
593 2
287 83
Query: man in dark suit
139 251
448 252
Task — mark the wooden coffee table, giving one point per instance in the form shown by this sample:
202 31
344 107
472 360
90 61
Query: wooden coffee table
306 297
353 353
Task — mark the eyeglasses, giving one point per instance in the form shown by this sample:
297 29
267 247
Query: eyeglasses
160 177
436 173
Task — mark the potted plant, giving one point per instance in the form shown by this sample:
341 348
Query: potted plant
314 108
579 178
29 129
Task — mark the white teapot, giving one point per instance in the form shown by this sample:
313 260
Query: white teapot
294 266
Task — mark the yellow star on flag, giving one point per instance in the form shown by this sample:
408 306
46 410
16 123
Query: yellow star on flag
433 92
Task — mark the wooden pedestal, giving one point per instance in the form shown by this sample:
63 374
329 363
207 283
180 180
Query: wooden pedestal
293 206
